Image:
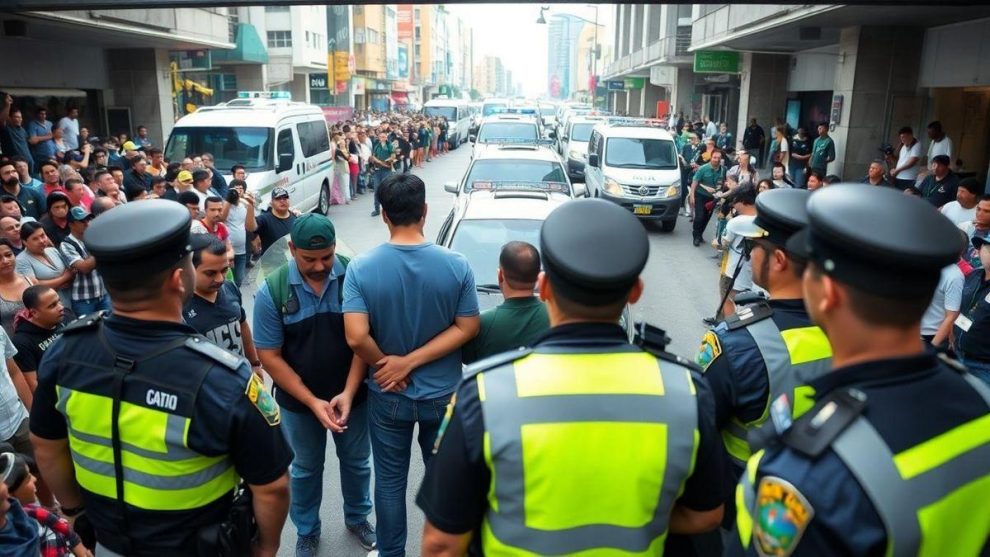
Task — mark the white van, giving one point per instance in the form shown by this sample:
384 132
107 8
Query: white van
458 115
634 164
280 144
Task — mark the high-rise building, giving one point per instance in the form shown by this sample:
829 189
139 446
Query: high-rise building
563 43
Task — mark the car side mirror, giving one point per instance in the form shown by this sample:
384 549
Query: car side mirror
472 138
593 160
580 190
285 161
450 187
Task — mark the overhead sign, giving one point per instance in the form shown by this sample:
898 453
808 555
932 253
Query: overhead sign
664 76
403 61
357 85
340 66
634 82
716 61
405 21
616 85
318 81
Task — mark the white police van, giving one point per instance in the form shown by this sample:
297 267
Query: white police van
280 143
458 115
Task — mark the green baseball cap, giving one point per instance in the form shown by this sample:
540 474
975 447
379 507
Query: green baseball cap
313 232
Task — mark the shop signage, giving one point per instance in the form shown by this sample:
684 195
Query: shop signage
337 113
616 85
716 61
357 85
318 81
340 66
664 76
634 82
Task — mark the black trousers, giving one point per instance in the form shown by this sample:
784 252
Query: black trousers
701 215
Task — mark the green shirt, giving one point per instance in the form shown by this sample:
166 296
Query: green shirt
708 176
516 322
822 152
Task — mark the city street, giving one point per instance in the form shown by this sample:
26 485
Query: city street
681 289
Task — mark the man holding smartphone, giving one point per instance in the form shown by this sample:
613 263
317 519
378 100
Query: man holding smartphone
238 213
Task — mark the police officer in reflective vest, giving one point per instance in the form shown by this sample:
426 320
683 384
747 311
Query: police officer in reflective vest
583 442
141 423
759 360
894 457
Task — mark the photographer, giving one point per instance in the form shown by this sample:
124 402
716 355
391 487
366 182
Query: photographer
238 213
905 174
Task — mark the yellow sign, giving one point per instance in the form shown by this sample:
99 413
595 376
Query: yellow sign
341 71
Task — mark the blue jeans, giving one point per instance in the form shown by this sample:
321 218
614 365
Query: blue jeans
796 171
376 180
92 305
980 369
393 418
308 440
240 266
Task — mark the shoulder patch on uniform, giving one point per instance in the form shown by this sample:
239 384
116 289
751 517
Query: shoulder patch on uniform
263 400
203 346
495 361
446 421
782 515
747 315
711 348
84 322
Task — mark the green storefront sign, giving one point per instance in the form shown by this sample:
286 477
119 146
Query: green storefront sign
716 61
634 82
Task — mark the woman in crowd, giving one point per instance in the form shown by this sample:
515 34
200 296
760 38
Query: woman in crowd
765 184
43 263
782 151
341 171
353 164
780 177
12 286
743 171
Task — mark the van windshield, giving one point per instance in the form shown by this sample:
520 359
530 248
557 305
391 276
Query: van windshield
581 132
251 147
629 152
490 108
448 112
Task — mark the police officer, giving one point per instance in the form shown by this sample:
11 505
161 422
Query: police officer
758 360
583 442
892 459
141 423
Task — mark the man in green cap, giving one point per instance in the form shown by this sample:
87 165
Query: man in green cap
299 335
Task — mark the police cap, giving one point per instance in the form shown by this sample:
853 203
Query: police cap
880 240
780 213
139 238
593 251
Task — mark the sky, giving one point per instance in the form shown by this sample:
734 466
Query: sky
510 31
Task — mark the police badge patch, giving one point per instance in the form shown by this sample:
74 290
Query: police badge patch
710 349
263 400
782 515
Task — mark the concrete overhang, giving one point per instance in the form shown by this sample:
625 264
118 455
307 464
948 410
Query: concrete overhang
71 28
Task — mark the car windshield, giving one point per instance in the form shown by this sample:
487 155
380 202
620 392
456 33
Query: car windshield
251 147
481 241
449 112
509 170
490 108
581 132
494 131
630 152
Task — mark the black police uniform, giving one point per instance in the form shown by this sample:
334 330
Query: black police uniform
887 439
454 493
162 373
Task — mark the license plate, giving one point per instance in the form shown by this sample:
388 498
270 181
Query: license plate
642 209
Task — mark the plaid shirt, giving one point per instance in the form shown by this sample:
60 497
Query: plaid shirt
57 537
85 286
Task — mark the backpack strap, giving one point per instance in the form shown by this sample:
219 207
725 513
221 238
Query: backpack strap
278 288
342 260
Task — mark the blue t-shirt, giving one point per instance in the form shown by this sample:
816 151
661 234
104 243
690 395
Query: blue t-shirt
411 294
45 149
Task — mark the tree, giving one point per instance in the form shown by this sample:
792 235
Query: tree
475 95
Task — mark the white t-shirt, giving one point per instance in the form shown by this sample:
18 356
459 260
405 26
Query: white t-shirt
943 147
235 225
12 410
955 212
905 154
70 132
948 297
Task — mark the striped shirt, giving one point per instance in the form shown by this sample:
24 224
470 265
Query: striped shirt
85 286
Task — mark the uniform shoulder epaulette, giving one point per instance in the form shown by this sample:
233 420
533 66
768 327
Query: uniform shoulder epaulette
85 322
492 362
683 362
206 348
815 431
747 315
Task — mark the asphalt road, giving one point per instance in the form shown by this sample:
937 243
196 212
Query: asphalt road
681 289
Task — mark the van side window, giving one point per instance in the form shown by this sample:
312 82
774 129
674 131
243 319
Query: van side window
313 138
593 144
600 145
284 145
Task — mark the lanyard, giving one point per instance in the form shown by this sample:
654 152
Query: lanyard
980 288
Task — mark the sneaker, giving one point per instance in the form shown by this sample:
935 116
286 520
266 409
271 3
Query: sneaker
373 553
306 546
375 213
365 533
697 242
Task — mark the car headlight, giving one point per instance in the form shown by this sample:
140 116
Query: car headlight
576 155
613 187
673 190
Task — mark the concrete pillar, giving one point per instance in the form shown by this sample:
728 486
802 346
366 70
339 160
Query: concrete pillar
648 10
683 91
636 31
762 91
621 30
634 103
140 80
654 18
250 77
648 102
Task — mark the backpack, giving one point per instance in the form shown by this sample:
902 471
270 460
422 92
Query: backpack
285 300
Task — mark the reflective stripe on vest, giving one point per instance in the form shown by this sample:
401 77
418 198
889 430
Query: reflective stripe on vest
746 499
161 473
792 358
563 430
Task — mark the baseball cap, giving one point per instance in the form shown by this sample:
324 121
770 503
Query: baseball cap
184 176
980 239
312 232
130 146
79 213
279 193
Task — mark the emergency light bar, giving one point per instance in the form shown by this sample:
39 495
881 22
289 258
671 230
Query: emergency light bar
621 121
272 95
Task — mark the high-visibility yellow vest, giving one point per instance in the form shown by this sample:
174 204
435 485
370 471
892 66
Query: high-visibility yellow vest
588 452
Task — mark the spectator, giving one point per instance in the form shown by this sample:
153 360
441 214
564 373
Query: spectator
276 222
238 172
35 333
142 138
43 263
217 183
364 155
13 136
816 180
188 165
780 177
31 201
875 175
765 184
688 155
709 179
732 282
753 139
743 171
50 179
905 174
318 380
12 287
979 226
191 201
940 185
963 209
202 186
936 324
410 329
102 205
382 158
117 173
212 223
160 187
101 159
88 293
832 179
61 148
939 143
238 213
782 149
132 151
972 327
215 309
183 182
40 136
156 162
521 318
711 130
138 175
10 230
822 151
797 168
69 126
79 194
18 531
56 220
724 140
24 173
